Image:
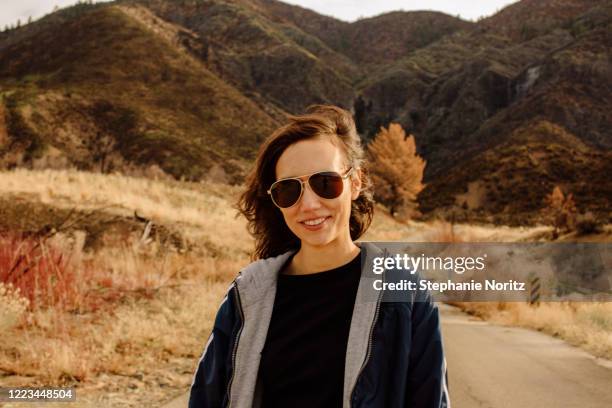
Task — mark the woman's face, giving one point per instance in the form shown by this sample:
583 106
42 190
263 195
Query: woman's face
311 156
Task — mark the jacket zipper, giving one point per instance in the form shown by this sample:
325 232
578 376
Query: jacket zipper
235 350
369 351
370 339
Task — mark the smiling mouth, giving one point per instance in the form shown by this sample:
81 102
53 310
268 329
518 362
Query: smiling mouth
314 222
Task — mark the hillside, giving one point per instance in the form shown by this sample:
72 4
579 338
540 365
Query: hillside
383 39
527 19
369 42
190 89
106 83
468 96
137 306
553 131
257 54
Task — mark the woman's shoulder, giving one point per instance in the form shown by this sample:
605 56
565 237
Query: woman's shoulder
261 273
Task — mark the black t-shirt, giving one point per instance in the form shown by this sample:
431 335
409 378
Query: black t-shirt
302 363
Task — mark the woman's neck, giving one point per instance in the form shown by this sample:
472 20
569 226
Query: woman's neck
313 259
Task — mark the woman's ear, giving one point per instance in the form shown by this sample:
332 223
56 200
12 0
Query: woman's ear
356 184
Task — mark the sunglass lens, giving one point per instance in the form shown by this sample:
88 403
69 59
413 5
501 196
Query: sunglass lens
286 193
327 185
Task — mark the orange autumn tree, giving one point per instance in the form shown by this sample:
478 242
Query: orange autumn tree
396 170
559 211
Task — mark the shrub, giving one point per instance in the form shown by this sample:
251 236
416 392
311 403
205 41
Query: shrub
587 223
560 211
40 272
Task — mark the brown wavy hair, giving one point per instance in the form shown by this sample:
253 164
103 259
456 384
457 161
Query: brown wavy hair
265 221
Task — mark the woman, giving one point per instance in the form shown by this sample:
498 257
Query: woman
290 332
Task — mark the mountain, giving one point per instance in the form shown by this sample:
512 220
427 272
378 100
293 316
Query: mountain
502 109
527 19
104 75
553 131
476 99
371 41
288 67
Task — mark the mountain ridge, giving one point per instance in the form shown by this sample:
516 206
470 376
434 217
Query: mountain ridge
192 88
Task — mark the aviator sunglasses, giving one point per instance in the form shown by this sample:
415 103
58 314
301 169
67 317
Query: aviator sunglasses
287 192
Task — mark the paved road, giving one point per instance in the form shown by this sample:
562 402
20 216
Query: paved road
500 367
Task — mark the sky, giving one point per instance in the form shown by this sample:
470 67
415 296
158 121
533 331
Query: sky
347 10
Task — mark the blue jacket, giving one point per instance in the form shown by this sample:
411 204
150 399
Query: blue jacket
394 355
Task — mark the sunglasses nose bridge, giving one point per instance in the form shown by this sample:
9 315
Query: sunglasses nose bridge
308 199
304 183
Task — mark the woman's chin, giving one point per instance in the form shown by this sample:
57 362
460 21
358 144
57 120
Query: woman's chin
312 237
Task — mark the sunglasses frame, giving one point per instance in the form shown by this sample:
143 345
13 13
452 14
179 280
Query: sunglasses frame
304 182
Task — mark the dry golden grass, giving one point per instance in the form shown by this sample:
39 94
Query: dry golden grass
587 325
198 209
12 306
152 317
206 207
155 298
144 345
386 228
584 324
156 307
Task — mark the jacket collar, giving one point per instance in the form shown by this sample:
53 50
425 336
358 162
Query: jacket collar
256 286
258 278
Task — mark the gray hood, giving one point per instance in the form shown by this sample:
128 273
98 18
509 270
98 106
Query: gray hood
256 287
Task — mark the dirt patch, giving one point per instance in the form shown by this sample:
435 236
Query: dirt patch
20 213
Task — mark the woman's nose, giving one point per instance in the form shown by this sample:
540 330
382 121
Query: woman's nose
310 199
